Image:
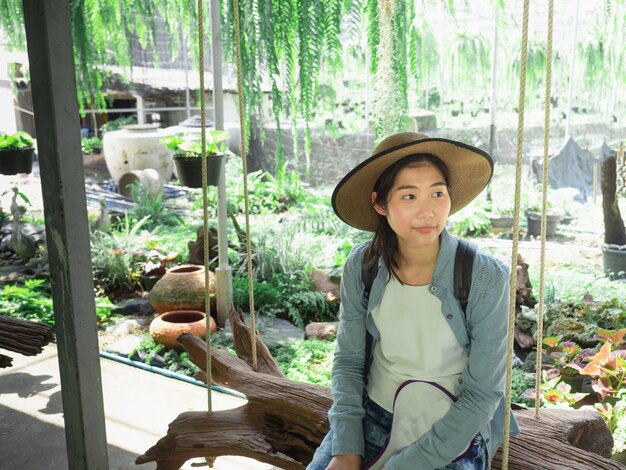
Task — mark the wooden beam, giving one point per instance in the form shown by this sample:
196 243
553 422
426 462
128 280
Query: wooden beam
50 55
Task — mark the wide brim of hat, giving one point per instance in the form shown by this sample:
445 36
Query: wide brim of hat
470 170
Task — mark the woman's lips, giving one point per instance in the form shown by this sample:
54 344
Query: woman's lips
428 229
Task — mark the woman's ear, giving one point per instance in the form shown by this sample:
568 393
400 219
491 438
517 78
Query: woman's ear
377 206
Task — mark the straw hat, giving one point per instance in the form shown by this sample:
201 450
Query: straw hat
470 171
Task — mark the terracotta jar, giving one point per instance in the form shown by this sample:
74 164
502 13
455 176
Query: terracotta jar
165 328
182 288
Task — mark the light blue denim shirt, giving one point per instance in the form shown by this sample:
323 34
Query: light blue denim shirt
482 333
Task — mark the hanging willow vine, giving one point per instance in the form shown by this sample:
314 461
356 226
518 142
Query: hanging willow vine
288 44
102 33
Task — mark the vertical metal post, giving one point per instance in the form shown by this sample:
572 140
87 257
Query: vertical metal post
50 55
492 102
570 91
223 273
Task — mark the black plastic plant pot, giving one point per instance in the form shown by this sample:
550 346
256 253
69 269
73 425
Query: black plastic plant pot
190 170
614 261
13 162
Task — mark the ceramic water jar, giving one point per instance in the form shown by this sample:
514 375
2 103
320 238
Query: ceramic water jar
137 147
165 328
182 288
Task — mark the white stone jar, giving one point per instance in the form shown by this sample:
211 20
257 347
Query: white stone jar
137 147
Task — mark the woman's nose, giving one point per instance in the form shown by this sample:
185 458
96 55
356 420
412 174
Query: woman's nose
424 209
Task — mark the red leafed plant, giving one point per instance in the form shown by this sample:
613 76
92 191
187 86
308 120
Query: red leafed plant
608 366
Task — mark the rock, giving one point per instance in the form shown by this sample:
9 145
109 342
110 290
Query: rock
321 330
125 327
332 296
570 329
524 340
323 281
133 307
125 345
274 331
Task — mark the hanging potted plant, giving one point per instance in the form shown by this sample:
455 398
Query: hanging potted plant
613 184
16 153
187 149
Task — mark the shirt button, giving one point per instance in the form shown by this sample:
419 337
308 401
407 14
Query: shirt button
433 289
467 346
460 381
449 316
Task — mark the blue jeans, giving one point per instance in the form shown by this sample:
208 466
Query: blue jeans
376 426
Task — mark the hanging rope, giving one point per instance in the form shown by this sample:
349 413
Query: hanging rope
244 153
544 210
513 280
205 208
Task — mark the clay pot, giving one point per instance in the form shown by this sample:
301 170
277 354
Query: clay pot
149 179
165 328
182 288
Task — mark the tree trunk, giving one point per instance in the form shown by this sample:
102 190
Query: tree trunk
614 232
284 422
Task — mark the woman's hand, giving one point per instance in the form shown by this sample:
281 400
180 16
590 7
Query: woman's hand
345 462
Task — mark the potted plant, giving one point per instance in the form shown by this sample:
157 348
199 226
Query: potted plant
91 145
501 218
16 153
533 215
187 149
155 267
613 184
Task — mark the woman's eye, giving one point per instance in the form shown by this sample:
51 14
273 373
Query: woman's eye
438 194
408 196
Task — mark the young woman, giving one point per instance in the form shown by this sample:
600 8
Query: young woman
454 362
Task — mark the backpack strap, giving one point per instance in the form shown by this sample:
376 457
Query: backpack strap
463 264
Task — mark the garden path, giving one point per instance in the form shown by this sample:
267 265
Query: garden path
138 407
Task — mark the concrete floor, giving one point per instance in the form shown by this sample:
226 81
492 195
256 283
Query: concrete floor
138 404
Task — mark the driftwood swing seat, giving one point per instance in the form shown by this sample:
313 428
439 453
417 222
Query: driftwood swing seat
284 421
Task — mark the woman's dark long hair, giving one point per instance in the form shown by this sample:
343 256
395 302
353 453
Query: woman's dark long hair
385 241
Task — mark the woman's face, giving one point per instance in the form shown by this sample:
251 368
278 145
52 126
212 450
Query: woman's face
417 206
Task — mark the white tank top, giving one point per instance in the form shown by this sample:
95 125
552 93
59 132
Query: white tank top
416 343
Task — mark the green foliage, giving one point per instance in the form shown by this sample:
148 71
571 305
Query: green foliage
114 257
91 144
32 300
285 248
153 209
29 301
115 124
190 144
570 282
288 296
521 381
172 360
307 360
19 140
471 221
615 418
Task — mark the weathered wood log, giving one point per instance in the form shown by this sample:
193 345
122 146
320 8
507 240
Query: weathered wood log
24 336
614 232
243 346
284 421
